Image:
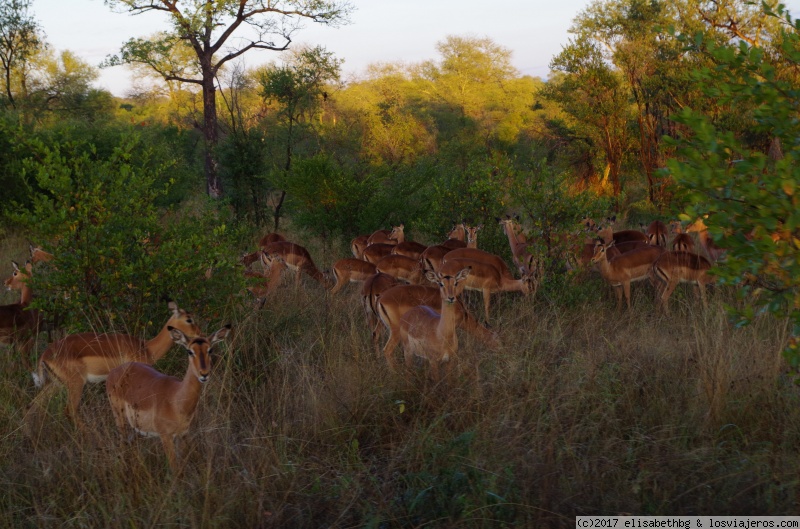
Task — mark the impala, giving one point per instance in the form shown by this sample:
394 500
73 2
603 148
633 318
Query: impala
374 252
380 236
516 240
371 291
401 267
486 278
38 255
714 252
672 268
479 255
20 324
296 258
394 302
154 404
88 357
608 235
411 249
620 271
432 335
682 242
250 258
350 270
270 238
656 233
403 247
434 255
357 246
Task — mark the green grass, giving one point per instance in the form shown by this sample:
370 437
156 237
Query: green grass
582 411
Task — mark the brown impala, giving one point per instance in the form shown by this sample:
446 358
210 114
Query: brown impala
88 357
621 271
432 335
154 404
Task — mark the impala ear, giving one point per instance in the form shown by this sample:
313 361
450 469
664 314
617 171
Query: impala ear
15 265
431 276
28 266
220 334
610 244
462 274
178 336
174 308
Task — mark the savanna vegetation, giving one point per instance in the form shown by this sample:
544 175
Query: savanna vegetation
654 110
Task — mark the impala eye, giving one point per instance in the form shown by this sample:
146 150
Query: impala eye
189 321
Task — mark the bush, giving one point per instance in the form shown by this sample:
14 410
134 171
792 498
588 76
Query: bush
113 255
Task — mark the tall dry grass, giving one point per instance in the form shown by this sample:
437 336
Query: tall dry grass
581 411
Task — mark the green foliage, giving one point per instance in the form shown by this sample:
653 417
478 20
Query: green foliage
451 487
114 257
324 198
747 194
553 211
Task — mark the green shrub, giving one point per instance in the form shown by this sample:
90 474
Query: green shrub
114 257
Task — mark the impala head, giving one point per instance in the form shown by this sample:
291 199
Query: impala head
600 250
589 224
183 321
199 349
472 234
449 286
18 277
398 232
457 232
606 233
37 254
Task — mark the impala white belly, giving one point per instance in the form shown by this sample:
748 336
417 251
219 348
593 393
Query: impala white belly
94 379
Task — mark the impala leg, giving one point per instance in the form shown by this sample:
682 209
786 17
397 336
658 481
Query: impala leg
338 286
618 294
408 356
701 290
627 288
169 447
74 391
388 351
487 299
666 295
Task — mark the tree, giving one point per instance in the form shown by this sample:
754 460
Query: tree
208 26
751 196
20 37
298 87
592 93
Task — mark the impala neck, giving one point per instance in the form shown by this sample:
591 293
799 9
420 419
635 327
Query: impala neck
512 238
188 395
447 323
26 295
158 345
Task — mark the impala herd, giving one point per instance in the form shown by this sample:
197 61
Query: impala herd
410 289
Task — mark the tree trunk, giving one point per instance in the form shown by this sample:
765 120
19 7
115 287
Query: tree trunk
213 183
